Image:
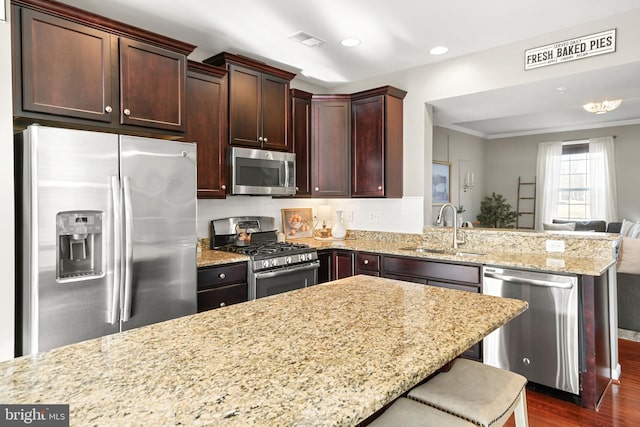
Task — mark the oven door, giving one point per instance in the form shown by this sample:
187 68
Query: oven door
285 279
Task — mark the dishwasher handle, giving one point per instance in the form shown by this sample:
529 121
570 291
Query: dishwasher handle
528 281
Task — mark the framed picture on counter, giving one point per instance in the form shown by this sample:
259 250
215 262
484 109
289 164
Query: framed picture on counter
440 183
297 223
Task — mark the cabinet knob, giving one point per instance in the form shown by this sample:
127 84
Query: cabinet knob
297 188
379 187
224 187
260 139
222 275
317 189
127 112
108 109
366 261
265 139
222 304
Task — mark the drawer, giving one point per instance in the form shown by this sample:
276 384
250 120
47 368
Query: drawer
432 269
221 296
209 277
366 261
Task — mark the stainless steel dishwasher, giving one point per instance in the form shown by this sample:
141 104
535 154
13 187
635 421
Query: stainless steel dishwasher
543 343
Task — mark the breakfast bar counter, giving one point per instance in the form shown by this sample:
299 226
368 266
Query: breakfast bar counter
331 354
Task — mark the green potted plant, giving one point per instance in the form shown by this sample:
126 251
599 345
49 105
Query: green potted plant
495 212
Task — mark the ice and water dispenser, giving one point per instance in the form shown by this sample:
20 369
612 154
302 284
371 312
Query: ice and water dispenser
79 245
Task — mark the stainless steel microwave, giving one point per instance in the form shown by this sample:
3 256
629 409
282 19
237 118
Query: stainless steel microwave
261 172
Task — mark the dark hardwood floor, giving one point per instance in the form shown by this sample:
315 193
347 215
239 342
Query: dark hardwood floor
620 406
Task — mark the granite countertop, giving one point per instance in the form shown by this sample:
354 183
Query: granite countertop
592 266
208 258
555 262
331 354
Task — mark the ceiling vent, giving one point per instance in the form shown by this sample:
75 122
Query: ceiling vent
306 39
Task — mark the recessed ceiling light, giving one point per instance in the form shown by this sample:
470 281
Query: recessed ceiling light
439 50
350 42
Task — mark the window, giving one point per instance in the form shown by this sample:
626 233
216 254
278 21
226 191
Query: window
574 195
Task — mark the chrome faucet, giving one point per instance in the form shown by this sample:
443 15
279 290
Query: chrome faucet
455 240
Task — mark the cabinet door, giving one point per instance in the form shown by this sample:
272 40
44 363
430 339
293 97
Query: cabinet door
301 135
66 68
206 125
275 113
245 100
367 147
324 271
343 264
330 148
152 86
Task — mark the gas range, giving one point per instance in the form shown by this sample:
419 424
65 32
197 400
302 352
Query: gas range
275 254
273 267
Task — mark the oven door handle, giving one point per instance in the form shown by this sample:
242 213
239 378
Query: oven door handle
282 271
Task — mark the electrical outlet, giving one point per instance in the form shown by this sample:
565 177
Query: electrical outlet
374 216
555 245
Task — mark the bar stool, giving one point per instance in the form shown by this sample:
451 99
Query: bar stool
481 394
409 413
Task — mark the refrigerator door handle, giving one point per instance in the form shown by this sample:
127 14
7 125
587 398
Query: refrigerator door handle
114 188
128 249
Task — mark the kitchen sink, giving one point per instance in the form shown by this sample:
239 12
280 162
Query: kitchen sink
468 254
423 250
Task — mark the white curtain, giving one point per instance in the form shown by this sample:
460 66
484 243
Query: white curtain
547 182
604 195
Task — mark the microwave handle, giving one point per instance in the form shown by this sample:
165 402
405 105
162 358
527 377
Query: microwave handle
286 173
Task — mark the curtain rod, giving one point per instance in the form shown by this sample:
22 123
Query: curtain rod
576 141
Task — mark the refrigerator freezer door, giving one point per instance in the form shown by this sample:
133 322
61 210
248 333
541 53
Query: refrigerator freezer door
68 256
159 192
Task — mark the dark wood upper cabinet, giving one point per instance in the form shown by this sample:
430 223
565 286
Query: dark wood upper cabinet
331 127
58 58
301 139
75 68
376 142
259 110
207 126
152 86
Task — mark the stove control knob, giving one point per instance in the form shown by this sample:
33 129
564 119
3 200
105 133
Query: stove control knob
287 260
303 257
274 262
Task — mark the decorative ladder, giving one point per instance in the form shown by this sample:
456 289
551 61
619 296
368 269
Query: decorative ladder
526 203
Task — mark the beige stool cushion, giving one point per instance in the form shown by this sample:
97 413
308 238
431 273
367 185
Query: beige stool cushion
482 394
408 413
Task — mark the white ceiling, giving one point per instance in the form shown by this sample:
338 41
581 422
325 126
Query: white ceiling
397 35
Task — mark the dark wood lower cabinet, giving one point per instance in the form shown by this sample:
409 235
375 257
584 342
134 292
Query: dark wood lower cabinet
433 273
342 264
324 271
219 286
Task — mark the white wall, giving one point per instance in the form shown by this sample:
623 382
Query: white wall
466 154
508 158
7 270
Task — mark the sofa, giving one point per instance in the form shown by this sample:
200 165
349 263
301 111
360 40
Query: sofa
628 284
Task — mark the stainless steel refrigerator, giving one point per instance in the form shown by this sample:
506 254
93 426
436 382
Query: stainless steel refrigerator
108 239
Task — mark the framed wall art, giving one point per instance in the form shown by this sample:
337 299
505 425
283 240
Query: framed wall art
297 223
440 182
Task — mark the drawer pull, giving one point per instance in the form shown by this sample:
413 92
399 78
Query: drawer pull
108 109
222 276
224 187
127 112
365 262
222 304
